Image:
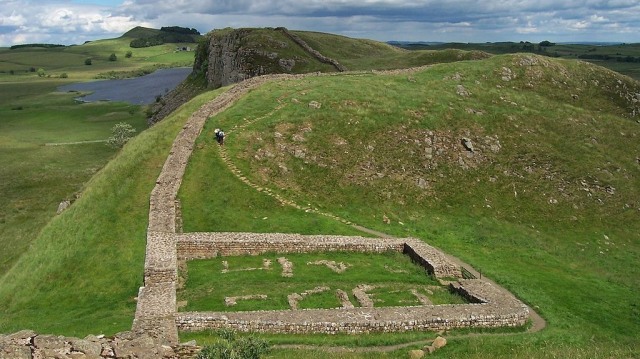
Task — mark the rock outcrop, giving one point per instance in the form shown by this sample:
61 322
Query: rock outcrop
231 56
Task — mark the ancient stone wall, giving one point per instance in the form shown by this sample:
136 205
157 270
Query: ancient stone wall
209 245
156 312
492 308
315 53
431 259
495 308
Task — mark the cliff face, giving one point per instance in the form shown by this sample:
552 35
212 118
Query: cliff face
225 57
230 56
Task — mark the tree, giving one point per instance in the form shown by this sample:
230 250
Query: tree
87 61
121 133
113 57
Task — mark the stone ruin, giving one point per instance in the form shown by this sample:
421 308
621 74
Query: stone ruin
154 332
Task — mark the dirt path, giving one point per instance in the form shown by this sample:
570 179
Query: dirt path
74 143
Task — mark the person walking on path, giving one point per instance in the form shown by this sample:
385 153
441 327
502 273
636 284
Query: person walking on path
220 136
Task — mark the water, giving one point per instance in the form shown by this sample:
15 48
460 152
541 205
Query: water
138 91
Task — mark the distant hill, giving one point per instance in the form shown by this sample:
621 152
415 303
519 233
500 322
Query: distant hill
621 57
146 37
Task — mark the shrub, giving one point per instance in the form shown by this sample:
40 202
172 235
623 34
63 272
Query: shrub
120 134
41 72
87 61
64 75
128 54
113 57
231 347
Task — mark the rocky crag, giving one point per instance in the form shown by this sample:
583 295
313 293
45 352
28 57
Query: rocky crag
229 56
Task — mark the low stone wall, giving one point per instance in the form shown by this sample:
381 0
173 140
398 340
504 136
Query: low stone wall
431 259
27 344
210 245
313 52
500 310
491 306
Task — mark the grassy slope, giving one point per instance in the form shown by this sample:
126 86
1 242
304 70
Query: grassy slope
571 259
34 177
555 257
86 266
571 51
362 54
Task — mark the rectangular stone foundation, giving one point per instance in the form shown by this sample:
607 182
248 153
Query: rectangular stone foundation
492 307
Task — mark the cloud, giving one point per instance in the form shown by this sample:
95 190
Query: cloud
63 21
59 22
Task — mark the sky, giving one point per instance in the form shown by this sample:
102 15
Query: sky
70 22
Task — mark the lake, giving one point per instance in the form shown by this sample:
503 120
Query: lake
139 91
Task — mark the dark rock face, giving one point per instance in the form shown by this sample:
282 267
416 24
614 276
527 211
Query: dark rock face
231 56
229 60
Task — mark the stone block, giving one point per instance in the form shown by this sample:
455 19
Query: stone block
439 342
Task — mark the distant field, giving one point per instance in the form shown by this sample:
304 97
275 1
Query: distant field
36 177
70 60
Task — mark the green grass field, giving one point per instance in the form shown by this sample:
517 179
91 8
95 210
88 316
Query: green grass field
16 65
392 274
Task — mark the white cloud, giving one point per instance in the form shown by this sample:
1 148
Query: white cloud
63 21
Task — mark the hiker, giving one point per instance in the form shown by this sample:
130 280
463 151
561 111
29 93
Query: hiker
220 136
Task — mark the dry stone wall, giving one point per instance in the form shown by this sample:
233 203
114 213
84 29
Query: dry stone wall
315 53
209 245
493 308
156 313
155 327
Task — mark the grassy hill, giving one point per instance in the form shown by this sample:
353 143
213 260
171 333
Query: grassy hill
524 166
623 58
547 203
363 54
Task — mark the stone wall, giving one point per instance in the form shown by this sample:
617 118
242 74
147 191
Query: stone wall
315 53
496 308
431 259
491 306
27 344
209 245
156 312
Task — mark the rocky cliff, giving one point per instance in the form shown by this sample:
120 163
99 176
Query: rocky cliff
229 56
